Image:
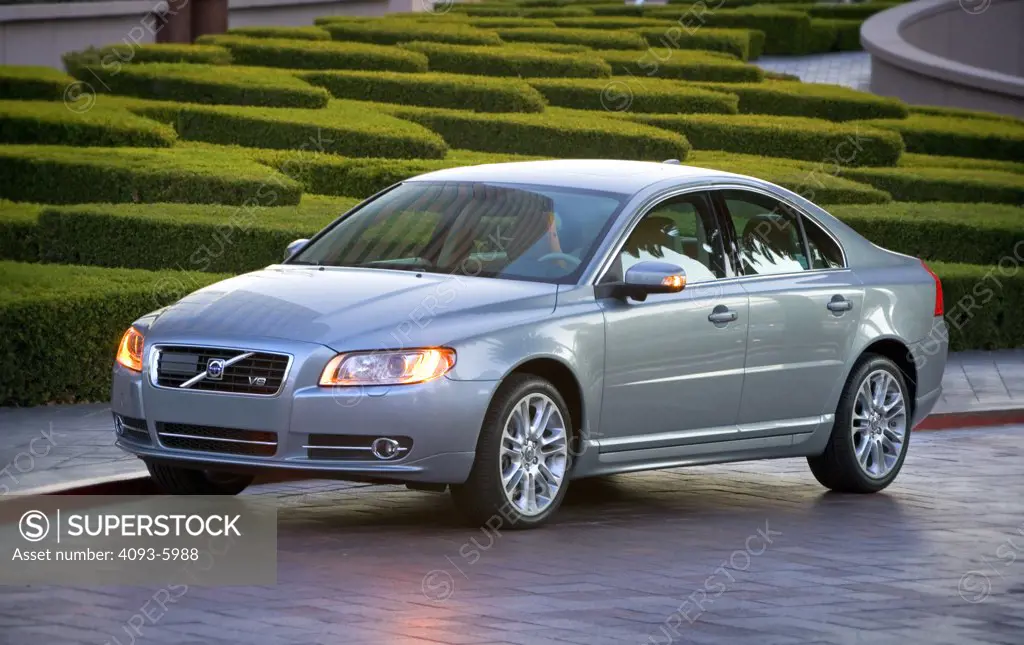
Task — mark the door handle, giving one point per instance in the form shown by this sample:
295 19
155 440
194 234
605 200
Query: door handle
722 314
839 304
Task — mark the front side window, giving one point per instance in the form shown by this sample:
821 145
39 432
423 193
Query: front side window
767 234
680 231
524 232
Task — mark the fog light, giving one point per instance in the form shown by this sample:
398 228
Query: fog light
384 448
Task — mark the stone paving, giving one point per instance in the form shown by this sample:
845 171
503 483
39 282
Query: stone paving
850 69
752 553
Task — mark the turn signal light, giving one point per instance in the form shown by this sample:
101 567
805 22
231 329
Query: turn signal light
674 282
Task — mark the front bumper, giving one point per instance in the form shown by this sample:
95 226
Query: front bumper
441 419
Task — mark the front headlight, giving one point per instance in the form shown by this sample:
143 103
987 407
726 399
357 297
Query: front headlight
388 367
129 352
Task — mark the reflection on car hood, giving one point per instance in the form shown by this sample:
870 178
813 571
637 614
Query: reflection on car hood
350 308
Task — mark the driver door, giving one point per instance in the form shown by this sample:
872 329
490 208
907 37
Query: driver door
672 375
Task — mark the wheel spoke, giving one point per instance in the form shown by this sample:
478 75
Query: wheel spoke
880 386
892 446
863 451
541 418
876 457
511 482
533 454
531 494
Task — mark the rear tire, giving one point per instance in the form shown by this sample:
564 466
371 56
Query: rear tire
871 432
175 480
521 470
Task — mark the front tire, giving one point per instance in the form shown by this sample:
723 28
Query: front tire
523 460
871 433
175 480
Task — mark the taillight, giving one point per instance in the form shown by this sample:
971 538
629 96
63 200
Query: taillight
939 305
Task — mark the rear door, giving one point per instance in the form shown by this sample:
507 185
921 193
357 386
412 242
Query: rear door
805 306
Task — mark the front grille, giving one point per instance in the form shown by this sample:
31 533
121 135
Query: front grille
228 441
133 430
350 447
260 374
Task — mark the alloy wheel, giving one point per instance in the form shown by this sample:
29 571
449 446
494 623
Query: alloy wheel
879 424
534 454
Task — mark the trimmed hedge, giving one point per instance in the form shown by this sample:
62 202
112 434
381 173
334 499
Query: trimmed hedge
289 33
61 326
731 41
787 32
318 54
857 11
33 83
948 232
944 184
687 65
500 22
983 304
788 137
46 122
934 110
590 37
847 34
556 133
936 135
19 231
209 238
432 89
817 182
612 23
64 175
510 60
831 102
210 84
395 31
112 57
638 95
913 160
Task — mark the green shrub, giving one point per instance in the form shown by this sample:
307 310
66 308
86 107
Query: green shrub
390 33
822 36
560 48
47 122
944 184
61 326
983 305
289 33
913 160
787 32
206 84
113 56
731 41
617 10
432 89
789 137
686 65
19 231
637 95
34 83
210 238
947 232
558 12
318 54
937 135
847 34
499 22
64 175
858 11
555 133
612 23
589 37
483 10
817 182
933 110
511 60
831 102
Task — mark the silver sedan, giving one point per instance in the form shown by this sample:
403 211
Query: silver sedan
500 330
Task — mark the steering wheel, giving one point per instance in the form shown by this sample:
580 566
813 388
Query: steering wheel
557 255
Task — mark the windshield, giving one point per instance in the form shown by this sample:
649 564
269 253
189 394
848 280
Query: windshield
520 232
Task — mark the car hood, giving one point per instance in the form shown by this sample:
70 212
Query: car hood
349 309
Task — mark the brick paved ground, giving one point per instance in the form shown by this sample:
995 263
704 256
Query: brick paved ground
851 69
623 557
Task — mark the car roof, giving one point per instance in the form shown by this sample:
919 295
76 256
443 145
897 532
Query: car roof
626 177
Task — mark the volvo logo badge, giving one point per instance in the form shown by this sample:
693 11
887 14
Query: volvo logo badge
215 369
384 448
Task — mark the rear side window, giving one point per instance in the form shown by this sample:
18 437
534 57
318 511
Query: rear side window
767 234
825 252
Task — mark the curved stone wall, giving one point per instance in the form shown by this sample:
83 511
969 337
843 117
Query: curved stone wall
957 53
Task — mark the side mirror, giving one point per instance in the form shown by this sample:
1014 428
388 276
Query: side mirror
645 278
294 248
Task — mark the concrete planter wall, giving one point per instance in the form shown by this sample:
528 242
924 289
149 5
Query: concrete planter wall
38 34
950 52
